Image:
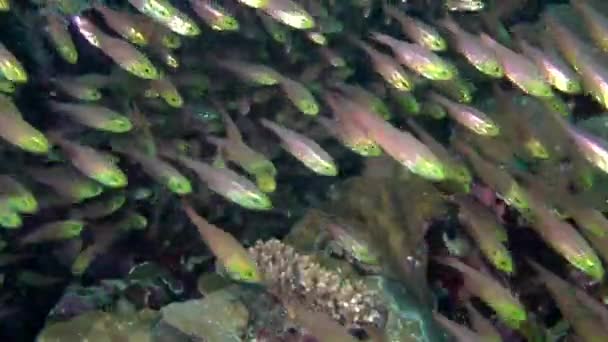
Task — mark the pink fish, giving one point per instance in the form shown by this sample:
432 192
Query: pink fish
400 145
304 149
519 69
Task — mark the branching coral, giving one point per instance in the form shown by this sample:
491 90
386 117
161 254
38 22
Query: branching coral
298 277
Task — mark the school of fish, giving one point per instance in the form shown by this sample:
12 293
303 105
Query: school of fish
111 111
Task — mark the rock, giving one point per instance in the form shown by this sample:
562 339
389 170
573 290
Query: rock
98 326
219 317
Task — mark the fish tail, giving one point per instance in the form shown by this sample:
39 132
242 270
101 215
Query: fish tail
232 131
270 125
202 225
453 262
383 38
392 11
218 142
449 23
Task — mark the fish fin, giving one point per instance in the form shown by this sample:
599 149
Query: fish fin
232 131
219 161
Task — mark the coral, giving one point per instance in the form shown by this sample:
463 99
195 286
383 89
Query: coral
291 276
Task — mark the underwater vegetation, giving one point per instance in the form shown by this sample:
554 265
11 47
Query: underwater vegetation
303 170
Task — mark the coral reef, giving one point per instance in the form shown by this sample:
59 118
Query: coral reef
294 277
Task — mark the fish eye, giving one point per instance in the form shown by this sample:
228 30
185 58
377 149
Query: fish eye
192 29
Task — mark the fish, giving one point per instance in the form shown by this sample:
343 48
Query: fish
584 321
91 162
164 13
498 179
277 31
167 91
455 169
158 169
457 89
53 231
93 80
487 232
346 130
122 53
35 279
104 236
595 22
521 71
99 207
468 116
59 35
234 149
587 218
458 331
94 116
7 86
418 58
229 252
406 101
501 300
565 240
471 47
299 95
67 182
416 30
228 184
592 71
17 196
401 146
256 73
593 149
127 25
10 67
254 3
167 56
132 220
332 57
316 37
365 98
289 13
311 154
9 218
18 132
592 304
482 325
354 242
79 90
555 70
464 5
517 119
214 15
433 110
